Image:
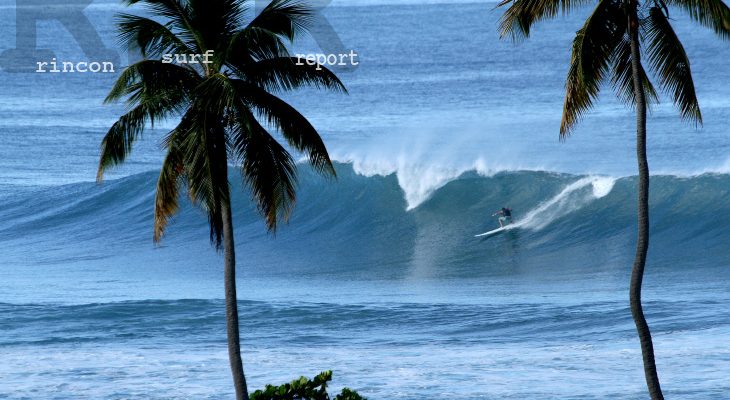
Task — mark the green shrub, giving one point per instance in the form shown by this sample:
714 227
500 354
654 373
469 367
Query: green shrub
304 389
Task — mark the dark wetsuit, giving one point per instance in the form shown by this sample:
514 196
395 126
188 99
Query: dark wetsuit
506 217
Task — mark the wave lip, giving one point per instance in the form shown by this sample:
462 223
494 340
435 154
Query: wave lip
568 200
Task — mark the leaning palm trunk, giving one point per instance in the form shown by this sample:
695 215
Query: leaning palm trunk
234 347
642 242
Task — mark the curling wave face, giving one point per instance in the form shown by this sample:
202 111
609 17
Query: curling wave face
363 226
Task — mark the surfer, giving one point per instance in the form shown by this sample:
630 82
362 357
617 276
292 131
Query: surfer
505 216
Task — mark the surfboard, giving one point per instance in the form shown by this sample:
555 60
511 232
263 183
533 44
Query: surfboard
495 232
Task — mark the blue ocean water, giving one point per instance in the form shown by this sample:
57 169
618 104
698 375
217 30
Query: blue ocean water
377 276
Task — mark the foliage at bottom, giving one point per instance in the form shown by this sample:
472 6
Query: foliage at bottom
305 389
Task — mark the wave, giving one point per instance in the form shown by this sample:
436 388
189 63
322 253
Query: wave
290 322
358 222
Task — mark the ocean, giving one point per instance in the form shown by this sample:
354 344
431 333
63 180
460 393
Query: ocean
377 276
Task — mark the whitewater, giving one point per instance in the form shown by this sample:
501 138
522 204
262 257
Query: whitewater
377 275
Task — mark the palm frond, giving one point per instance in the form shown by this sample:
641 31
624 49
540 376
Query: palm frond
150 37
202 142
253 44
168 189
670 63
286 18
267 168
623 77
155 84
215 22
519 17
174 10
296 129
217 92
176 14
593 48
155 91
118 141
286 73
223 93
713 14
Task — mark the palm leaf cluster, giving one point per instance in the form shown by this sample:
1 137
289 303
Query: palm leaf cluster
601 49
228 110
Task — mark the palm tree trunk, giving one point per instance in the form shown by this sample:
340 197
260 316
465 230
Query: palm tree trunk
234 345
642 243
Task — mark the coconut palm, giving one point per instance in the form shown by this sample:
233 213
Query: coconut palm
225 111
610 45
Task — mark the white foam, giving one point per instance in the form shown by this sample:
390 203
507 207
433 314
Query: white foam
425 156
419 180
571 198
602 186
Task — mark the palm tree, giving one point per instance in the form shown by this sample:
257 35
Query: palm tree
610 44
225 110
